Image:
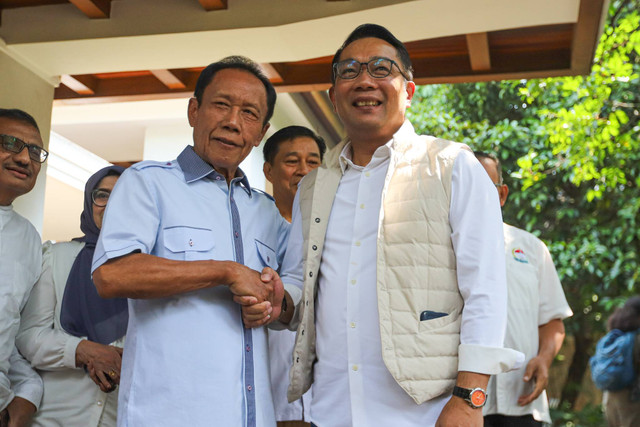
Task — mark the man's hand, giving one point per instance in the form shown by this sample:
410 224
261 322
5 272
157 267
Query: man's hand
538 371
103 363
458 413
259 313
245 282
18 413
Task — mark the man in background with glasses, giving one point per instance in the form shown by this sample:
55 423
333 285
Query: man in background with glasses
404 288
21 156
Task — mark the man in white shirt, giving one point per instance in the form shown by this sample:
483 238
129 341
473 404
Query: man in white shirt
21 155
536 307
397 240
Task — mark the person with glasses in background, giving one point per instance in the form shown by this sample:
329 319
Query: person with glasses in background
21 156
397 242
71 335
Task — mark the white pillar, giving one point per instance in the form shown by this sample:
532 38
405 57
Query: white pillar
21 88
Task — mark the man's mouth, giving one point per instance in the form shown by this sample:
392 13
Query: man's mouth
367 103
225 141
19 172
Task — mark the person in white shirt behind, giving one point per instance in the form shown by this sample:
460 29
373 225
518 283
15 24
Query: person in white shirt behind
289 154
396 240
536 307
21 157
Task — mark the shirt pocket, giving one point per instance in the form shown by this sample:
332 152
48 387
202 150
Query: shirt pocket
189 243
266 255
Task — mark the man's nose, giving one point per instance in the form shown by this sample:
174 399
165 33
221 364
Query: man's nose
303 168
23 156
232 118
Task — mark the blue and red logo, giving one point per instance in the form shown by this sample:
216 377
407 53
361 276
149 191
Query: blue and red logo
518 255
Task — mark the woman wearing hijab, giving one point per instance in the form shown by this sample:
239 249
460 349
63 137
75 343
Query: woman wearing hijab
68 332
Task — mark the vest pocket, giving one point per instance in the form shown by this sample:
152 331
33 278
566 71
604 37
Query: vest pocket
431 320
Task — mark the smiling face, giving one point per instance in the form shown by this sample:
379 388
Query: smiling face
18 172
229 121
294 159
371 109
107 183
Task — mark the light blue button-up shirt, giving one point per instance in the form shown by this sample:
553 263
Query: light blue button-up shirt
188 360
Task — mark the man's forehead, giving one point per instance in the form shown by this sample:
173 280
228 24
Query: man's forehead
21 130
369 48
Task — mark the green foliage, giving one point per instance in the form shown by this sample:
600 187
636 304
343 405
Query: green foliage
570 150
589 416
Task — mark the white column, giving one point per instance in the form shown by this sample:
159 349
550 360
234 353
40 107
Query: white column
21 88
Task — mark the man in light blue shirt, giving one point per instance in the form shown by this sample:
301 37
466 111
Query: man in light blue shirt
183 240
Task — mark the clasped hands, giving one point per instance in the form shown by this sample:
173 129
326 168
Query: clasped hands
259 294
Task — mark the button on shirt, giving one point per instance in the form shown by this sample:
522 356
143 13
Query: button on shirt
352 386
535 298
188 360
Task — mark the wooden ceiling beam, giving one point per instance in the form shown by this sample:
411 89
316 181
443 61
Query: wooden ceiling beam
586 33
271 73
209 5
95 9
479 54
169 79
77 86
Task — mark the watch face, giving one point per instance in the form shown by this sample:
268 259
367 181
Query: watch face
478 397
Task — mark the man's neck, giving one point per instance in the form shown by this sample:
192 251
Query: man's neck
362 150
285 207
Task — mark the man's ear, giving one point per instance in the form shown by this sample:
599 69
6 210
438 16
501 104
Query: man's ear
504 192
411 90
332 97
265 128
192 111
266 169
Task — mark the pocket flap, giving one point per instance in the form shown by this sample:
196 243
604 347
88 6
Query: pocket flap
267 255
186 239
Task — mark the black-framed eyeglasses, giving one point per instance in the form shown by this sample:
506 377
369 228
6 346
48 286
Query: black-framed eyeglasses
377 68
16 145
100 197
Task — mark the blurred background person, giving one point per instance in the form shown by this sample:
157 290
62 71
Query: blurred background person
536 308
622 407
71 335
289 154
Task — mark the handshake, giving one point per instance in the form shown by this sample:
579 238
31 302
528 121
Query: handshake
261 295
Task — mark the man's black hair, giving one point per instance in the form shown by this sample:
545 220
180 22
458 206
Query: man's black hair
379 32
20 116
272 145
484 155
240 63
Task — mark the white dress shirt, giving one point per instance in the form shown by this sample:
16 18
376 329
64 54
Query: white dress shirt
535 298
352 386
20 264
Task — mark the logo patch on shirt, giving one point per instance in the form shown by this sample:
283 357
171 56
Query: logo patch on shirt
518 255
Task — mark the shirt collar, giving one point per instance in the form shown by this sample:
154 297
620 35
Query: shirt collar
194 168
381 154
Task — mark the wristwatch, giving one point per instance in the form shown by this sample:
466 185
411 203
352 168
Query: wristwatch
475 397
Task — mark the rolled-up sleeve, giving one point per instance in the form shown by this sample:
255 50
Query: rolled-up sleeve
478 242
130 221
291 271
